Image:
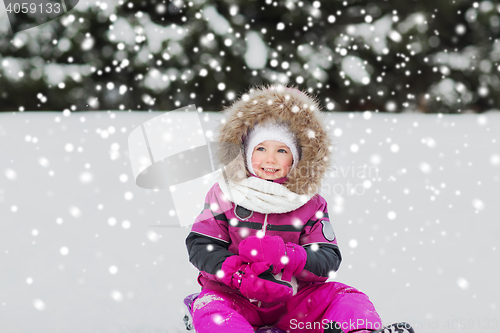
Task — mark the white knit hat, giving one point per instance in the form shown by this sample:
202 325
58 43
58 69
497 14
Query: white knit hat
271 131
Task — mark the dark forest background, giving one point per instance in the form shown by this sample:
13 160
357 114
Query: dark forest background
414 55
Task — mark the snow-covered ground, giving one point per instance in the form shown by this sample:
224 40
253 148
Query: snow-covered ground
81 249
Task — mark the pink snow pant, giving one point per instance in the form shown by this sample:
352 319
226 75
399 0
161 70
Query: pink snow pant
312 309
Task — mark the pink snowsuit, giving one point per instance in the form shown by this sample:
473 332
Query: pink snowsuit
216 235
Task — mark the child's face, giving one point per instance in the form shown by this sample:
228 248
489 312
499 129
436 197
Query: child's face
271 159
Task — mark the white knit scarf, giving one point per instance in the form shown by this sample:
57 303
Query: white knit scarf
262 196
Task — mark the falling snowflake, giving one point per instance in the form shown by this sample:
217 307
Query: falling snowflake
113 270
116 296
463 283
39 304
64 251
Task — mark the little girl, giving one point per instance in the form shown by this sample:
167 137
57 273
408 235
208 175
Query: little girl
264 243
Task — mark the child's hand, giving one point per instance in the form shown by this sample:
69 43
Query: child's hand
297 258
290 257
258 283
255 281
270 249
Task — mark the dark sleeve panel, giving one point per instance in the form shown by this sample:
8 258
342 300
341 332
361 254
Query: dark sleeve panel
325 259
206 253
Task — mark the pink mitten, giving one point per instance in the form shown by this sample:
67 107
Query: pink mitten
254 281
270 249
297 258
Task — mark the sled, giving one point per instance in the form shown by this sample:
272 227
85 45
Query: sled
394 328
188 320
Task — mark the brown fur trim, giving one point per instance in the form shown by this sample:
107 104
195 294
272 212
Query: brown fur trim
278 104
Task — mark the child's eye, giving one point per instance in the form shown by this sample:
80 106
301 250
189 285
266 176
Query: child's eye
259 149
282 150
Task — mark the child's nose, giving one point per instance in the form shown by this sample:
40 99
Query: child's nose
271 157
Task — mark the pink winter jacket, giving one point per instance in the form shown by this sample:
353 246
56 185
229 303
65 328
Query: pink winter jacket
221 226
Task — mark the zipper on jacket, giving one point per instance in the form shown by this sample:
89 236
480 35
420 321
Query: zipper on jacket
264 227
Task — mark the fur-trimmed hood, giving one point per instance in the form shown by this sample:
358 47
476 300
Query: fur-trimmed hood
277 103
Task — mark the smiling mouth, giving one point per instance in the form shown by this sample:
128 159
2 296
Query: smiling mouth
270 170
